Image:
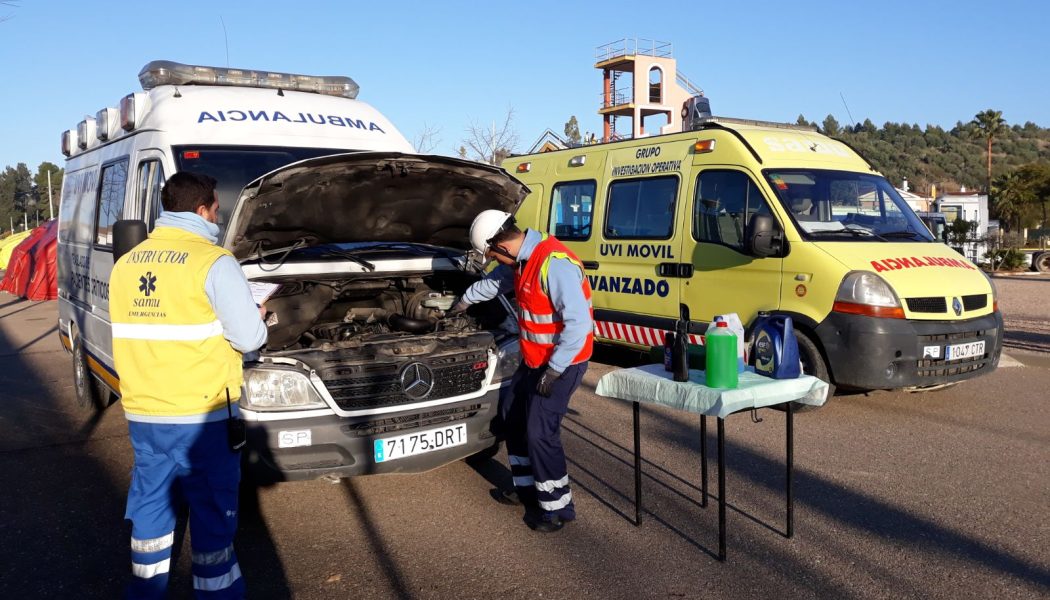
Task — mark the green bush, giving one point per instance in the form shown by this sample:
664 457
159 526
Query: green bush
1009 259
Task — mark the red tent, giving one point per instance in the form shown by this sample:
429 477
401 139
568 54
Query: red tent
32 272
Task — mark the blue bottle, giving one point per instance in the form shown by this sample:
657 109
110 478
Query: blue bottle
776 348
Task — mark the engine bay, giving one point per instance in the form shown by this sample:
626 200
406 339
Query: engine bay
329 314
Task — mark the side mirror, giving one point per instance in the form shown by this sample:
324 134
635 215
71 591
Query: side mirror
763 237
127 233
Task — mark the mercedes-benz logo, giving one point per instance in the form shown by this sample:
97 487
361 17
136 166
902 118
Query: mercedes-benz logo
417 381
957 306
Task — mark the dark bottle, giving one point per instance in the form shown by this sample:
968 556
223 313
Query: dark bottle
680 351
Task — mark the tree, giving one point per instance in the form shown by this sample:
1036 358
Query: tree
40 186
572 131
987 125
1011 197
831 126
491 144
426 139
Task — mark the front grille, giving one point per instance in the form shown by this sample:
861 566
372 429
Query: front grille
972 336
941 368
417 421
378 385
931 304
975 301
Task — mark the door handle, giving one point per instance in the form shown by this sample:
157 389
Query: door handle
683 270
590 265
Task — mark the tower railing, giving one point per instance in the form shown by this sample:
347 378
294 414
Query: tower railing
633 47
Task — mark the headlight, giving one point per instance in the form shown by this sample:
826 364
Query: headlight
279 389
865 293
995 292
508 359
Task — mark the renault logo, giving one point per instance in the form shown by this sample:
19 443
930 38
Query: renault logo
417 381
957 306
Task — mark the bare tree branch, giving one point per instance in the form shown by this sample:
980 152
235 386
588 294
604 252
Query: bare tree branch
491 144
426 139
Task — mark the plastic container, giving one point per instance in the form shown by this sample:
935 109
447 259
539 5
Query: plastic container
721 357
776 348
737 327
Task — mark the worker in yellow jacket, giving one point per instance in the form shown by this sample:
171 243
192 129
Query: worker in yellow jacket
182 316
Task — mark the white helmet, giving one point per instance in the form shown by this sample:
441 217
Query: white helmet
485 227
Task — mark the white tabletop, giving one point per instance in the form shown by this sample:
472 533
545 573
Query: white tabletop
653 385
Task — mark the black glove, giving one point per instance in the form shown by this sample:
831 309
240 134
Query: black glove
546 383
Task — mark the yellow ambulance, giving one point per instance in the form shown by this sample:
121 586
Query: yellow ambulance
747 216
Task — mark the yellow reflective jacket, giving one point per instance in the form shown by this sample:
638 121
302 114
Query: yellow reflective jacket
168 345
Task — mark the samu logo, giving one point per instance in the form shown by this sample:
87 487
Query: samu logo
148 283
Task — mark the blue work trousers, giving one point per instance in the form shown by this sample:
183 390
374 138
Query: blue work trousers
176 465
532 429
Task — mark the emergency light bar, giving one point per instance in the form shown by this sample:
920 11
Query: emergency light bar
106 124
166 72
86 133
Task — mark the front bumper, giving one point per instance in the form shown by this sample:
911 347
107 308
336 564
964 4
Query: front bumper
343 446
873 353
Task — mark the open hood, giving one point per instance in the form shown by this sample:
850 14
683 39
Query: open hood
368 197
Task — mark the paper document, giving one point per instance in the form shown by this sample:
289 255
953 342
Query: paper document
261 291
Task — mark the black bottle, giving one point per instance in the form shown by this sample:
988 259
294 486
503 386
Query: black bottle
668 350
680 350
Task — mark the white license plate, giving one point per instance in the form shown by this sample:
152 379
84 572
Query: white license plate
969 350
294 438
420 442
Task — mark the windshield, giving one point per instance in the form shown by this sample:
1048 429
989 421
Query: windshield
843 206
234 167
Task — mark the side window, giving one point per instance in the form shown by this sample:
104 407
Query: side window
110 200
724 203
151 180
641 208
572 205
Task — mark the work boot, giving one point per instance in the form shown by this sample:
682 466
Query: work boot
549 523
505 497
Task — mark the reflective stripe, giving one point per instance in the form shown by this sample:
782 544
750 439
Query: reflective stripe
168 333
538 318
540 338
207 559
558 504
553 484
211 584
525 481
154 544
148 571
519 461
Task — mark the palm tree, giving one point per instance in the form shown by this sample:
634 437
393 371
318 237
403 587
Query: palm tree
988 125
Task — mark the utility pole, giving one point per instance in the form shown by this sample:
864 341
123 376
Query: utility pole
50 204
25 221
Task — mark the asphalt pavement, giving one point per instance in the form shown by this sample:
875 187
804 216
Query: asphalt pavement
935 495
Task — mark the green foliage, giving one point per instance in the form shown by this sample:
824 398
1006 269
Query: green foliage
830 126
22 194
960 232
1009 259
572 131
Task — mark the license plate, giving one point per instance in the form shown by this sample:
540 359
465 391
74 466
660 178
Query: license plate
294 439
969 350
420 442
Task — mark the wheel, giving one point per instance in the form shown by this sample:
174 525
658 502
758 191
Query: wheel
813 363
485 455
1041 262
90 391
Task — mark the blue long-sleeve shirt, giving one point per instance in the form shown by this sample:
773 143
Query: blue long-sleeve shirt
565 287
226 287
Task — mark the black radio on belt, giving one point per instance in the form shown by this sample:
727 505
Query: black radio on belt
235 431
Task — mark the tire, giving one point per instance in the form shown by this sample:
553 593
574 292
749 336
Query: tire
91 393
813 363
1041 262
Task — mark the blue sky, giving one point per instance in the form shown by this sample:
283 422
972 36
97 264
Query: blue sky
447 64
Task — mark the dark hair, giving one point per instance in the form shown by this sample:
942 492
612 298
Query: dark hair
510 231
186 192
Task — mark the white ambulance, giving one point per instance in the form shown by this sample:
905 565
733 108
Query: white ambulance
360 240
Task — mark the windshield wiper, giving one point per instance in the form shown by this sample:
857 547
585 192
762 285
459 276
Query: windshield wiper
904 234
349 255
855 232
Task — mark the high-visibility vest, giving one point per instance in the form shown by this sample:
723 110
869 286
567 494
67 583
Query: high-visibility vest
540 324
168 345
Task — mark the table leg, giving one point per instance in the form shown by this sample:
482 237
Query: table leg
790 468
721 490
637 467
703 461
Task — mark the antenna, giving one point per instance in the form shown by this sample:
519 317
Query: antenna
851 121
227 40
